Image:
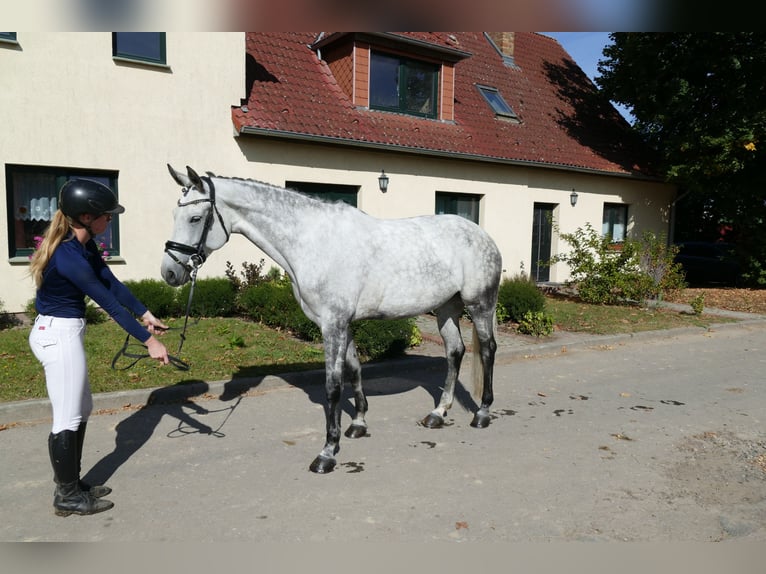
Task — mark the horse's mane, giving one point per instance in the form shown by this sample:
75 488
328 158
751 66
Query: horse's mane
279 188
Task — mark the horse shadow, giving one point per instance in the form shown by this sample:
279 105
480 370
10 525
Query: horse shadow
380 378
176 401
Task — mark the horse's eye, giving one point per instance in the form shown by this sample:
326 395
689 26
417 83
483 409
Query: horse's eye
196 219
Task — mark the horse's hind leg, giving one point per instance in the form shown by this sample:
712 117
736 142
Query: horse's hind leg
484 350
353 373
448 320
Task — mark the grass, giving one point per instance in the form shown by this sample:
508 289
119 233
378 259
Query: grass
571 315
217 349
225 348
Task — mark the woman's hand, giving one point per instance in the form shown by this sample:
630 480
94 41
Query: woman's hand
153 324
157 350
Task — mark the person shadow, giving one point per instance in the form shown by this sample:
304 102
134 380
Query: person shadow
136 430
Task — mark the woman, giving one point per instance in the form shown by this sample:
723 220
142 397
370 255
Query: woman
66 267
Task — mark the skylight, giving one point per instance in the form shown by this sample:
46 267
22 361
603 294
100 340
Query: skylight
496 102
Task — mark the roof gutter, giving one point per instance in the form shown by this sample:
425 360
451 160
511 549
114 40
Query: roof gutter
308 138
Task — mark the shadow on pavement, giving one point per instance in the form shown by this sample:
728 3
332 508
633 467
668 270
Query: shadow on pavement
177 401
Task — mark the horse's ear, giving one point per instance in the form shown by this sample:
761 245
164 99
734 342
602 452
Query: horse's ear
179 178
195 179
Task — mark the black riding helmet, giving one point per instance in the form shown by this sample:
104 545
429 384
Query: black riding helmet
78 196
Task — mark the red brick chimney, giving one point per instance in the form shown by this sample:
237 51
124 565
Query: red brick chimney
503 41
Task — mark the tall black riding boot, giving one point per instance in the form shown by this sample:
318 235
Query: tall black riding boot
69 497
96 490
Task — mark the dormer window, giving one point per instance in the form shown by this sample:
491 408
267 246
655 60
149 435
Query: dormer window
403 85
497 103
384 71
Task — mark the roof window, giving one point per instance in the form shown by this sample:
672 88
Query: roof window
496 102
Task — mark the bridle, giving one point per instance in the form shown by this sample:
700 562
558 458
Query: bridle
196 252
196 258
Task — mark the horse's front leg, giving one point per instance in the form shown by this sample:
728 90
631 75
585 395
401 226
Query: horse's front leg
353 373
335 341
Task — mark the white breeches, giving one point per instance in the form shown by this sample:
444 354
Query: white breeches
59 344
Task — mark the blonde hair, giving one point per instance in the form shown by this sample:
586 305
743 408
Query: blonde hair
54 234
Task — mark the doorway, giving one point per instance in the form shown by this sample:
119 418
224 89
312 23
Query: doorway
542 236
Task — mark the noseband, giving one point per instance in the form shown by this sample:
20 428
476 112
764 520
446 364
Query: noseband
196 252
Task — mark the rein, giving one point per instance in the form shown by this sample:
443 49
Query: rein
192 264
178 363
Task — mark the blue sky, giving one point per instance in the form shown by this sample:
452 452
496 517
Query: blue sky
586 48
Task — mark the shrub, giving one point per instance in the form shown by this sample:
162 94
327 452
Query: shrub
517 296
608 273
7 320
272 303
213 297
538 323
93 315
656 260
250 275
384 338
698 304
158 296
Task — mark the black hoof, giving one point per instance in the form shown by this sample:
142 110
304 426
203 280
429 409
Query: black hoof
322 465
433 421
480 420
356 431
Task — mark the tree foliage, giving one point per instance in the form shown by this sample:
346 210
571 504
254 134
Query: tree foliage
699 99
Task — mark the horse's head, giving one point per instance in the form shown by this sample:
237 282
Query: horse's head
198 228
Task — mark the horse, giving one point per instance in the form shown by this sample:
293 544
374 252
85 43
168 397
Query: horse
346 265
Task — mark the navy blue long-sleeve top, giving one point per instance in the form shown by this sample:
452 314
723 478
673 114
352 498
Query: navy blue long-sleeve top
76 270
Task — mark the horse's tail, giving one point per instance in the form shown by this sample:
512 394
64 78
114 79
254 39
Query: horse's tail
477 369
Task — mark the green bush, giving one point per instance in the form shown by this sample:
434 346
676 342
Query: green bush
538 323
272 303
607 273
698 304
158 296
384 338
213 297
517 296
93 315
7 320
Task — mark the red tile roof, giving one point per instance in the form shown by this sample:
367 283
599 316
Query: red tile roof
564 121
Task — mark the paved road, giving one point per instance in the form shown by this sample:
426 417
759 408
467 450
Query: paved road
658 438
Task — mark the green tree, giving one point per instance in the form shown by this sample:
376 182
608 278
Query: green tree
699 100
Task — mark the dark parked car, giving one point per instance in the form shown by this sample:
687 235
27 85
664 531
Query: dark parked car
708 262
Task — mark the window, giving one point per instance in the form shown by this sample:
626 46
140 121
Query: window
326 191
496 102
32 199
146 47
615 222
461 204
8 37
402 85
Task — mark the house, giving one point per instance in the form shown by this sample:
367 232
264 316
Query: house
502 128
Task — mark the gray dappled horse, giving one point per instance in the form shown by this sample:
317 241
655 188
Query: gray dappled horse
346 265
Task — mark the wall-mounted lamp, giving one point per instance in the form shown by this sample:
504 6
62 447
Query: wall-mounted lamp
383 181
573 197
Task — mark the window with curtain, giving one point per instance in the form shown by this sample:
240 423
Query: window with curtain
462 204
32 198
615 221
